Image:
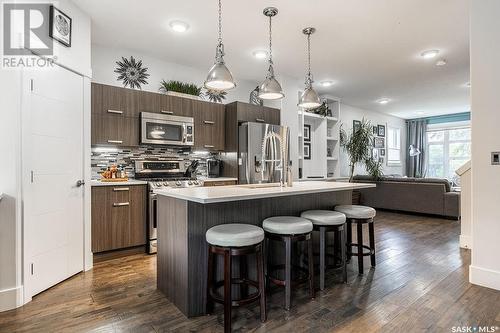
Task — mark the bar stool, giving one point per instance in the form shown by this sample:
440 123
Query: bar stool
328 221
232 240
290 229
359 215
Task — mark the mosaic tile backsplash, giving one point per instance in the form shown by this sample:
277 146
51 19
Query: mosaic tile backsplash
103 157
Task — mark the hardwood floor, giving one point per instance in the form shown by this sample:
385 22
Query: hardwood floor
420 284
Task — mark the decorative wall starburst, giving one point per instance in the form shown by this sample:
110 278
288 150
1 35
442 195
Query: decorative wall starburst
131 72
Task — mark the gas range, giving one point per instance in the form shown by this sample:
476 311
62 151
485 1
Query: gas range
155 184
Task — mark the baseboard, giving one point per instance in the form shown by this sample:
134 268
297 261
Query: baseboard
11 298
484 277
465 242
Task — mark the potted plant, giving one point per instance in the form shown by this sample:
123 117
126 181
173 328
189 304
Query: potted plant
358 146
181 89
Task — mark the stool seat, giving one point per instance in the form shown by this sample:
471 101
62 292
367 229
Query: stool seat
234 235
324 217
356 211
287 225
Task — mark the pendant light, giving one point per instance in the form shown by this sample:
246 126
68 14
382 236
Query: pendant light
309 98
219 77
270 88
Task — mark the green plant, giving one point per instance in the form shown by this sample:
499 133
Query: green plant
181 87
322 110
358 145
216 96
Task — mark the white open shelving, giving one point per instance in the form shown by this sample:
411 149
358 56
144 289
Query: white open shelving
324 142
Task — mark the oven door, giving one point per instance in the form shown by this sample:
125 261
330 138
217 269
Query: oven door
166 132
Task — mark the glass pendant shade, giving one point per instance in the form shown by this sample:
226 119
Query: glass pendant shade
219 77
309 99
270 88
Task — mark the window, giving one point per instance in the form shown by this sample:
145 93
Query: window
393 146
448 149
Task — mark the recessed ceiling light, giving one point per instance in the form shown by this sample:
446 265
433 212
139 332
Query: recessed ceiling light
441 62
383 101
327 83
429 54
179 26
260 54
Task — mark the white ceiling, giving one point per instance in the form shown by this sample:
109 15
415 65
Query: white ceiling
369 48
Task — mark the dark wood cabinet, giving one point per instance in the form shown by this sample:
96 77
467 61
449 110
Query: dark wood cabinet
118 217
209 125
115 101
148 102
176 106
112 130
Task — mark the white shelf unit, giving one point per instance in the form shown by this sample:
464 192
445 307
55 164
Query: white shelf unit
325 143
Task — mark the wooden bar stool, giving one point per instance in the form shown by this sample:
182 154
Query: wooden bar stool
359 215
328 221
232 240
290 229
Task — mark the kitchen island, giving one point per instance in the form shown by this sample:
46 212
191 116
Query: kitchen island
184 215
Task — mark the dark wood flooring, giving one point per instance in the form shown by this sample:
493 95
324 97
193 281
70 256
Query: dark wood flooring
420 284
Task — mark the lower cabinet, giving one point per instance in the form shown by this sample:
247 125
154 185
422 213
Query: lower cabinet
118 217
219 183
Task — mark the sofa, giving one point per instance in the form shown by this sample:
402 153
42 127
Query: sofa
415 195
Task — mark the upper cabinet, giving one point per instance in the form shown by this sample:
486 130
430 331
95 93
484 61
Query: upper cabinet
117 101
176 106
239 112
209 124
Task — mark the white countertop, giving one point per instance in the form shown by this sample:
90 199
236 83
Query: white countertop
95 182
218 179
215 194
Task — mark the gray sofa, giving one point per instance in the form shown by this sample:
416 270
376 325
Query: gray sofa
416 195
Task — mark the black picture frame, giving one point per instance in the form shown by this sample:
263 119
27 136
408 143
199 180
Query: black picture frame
307 150
378 142
381 130
56 35
382 152
356 125
375 130
307 132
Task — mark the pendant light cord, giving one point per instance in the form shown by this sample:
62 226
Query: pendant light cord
219 53
220 22
270 41
309 75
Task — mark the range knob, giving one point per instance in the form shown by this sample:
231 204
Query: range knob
158 184
165 183
195 182
178 183
190 183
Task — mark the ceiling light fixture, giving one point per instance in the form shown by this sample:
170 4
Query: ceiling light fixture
327 83
383 101
441 62
309 98
219 77
429 54
179 26
270 88
261 54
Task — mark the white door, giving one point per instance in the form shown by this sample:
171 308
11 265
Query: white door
52 145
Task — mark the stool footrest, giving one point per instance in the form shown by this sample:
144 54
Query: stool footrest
216 297
366 247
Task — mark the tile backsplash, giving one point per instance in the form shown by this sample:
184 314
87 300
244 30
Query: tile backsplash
102 157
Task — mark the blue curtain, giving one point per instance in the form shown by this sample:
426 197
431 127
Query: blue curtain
416 136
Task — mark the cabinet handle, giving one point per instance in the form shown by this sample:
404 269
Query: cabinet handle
167 112
118 189
208 146
259 120
121 204
115 111
115 141
208 122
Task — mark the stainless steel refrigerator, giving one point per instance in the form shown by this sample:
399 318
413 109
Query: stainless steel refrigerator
263 153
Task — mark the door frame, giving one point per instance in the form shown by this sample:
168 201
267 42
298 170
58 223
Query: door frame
87 260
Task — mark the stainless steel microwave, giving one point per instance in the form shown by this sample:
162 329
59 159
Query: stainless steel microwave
163 129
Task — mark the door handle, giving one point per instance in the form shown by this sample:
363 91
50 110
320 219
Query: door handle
115 141
209 122
118 189
115 111
80 182
167 112
120 204
259 120
208 146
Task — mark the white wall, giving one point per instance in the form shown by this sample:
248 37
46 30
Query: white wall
77 58
348 114
485 105
104 63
